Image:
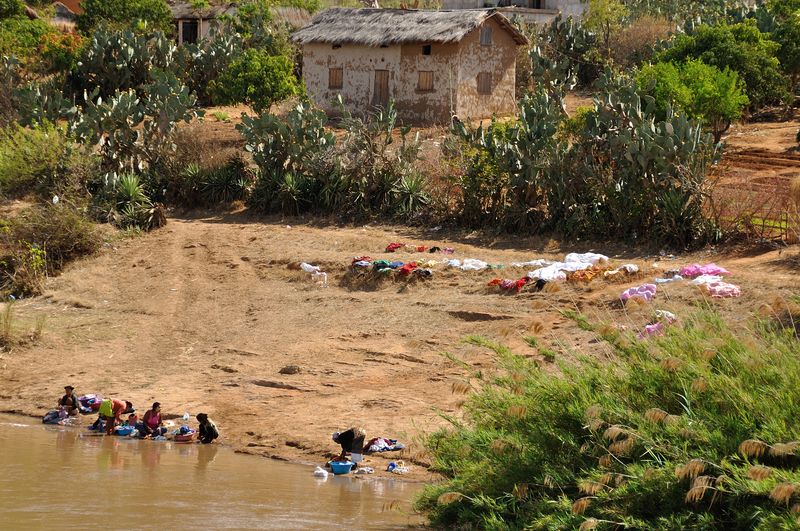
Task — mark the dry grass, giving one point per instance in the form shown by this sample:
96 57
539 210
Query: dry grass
581 504
692 469
784 492
615 432
759 473
753 448
449 497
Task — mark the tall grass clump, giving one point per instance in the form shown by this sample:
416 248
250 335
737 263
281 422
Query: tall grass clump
696 429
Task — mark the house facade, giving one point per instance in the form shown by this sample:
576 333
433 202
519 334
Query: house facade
193 24
432 64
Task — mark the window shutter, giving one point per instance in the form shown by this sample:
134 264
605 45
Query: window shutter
425 80
335 78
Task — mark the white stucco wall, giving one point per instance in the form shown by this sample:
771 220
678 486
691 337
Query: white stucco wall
499 60
358 65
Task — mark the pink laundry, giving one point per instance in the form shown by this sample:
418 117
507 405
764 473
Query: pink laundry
646 292
723 290
695 270
651 330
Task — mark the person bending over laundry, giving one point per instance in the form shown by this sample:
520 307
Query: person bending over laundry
69 401
208 430
352 442
152 425
111 411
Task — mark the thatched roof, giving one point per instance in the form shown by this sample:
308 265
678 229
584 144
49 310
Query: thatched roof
293 17
383 27
184 11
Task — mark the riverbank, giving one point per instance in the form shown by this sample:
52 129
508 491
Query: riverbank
207 315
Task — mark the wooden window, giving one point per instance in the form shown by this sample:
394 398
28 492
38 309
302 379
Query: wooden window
426 49
425 82
486 36
484 83
335 78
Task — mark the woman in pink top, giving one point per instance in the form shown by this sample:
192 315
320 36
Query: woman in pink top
151 423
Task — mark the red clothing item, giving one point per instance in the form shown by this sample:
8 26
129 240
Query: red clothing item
408 268
392 247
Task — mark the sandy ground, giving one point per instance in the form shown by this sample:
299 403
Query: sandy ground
203 314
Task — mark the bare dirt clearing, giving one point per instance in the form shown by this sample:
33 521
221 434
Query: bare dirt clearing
203 315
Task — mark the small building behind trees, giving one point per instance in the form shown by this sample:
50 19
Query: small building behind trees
432 64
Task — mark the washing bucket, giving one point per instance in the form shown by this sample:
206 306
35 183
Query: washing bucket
341 467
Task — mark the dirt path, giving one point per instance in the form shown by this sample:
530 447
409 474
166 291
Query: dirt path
203 315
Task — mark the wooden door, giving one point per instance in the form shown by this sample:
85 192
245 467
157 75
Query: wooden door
380 92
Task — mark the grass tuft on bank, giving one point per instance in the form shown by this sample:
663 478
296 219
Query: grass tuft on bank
697 429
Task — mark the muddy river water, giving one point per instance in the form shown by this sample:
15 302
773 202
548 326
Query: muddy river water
53 477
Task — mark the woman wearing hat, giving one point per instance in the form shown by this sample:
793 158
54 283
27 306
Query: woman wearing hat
352 442
69 401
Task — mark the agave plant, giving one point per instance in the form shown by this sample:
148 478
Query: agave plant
227 183
410 194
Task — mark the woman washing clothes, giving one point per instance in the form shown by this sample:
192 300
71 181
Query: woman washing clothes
152 425
69 402
208 430
352 442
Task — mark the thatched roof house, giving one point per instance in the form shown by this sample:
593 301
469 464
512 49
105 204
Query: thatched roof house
195 23
433 64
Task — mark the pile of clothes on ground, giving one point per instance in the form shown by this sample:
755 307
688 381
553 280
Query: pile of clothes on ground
382 444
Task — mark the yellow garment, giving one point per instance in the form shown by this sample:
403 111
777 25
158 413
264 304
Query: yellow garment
105 408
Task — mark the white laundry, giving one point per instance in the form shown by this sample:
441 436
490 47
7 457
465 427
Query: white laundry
320 472
592 258
668 280
316 273
469 264
558 270
706 279
539 262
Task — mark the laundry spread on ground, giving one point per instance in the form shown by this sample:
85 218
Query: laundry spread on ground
382 444
662 321
316 274
645 292
696 270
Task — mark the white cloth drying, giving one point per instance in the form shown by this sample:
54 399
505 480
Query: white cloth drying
591 258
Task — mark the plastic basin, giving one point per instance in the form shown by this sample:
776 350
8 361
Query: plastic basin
339 467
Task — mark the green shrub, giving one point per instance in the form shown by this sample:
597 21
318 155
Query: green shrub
11 8
40 241
20 37
34 160
695 430
124 13
257 79
9 81
741 48
204 62
787 34
705 93
60 51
